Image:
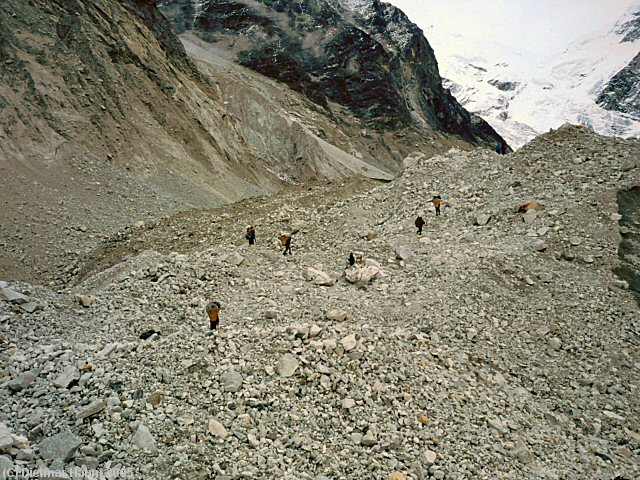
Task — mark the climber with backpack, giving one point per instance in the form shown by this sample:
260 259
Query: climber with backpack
213 310
251 234
419 224
285 241
437 200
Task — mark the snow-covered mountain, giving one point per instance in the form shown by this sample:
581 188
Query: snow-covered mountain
524 93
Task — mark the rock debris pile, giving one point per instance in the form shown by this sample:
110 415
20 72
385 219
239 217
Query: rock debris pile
499 344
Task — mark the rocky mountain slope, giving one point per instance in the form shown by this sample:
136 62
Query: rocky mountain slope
622 92
500 344
364 55
105 121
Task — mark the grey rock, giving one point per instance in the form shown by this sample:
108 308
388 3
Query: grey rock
522 453
29 307
482 219
11 296
361 276
314 331
83 300
588 259
5 465
545 277
336 314
143 439
287 365
61 445
6 440
185 420
369 440
235 259
530 216
68 375
92 409
538 245
404 253
554 343
231 381
23 381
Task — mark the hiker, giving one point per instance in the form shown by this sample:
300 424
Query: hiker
213 310
251 235
503 148
419 224
498 148
352 260
437 200
285 240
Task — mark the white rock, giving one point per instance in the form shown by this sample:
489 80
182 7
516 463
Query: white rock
349 342
348 403
403 253
336 314
144 440
287 365
430 457
318 277
216 428
68 375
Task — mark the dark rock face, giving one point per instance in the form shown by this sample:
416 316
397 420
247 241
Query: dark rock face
504 86
364 55
622 93
630 29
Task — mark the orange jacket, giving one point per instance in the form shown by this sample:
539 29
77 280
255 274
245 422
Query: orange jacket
213 311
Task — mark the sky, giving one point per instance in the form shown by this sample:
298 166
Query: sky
543 27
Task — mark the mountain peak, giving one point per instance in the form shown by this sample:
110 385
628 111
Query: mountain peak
362 55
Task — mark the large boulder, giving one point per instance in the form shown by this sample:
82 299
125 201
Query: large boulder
361 276
317 277
11 296
61 445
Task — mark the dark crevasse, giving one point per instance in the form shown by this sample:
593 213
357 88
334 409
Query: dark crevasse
629 249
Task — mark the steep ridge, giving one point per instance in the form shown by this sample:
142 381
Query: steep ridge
364 55
622 92
468 352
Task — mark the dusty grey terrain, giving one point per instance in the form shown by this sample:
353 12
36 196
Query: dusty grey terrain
106 120
500 344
